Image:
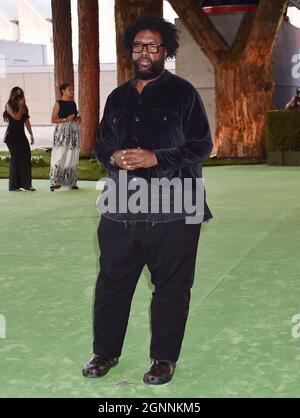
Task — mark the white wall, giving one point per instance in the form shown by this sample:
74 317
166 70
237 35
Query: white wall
38 85
22 54
34 28
8 29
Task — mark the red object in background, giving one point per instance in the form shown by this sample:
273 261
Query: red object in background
213 10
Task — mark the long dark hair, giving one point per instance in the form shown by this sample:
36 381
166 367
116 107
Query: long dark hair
15 95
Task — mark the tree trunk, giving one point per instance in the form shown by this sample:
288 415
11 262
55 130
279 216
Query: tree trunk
62 43
88 72
126 11
245 92
243 73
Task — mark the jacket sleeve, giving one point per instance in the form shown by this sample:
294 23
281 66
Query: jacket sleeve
105 138
198 143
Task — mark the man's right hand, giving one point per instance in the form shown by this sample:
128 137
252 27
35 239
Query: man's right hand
134 158
119 159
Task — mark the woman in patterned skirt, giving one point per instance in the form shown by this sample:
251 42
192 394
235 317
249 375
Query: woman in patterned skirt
66 145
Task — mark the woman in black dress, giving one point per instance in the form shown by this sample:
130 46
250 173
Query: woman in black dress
16 114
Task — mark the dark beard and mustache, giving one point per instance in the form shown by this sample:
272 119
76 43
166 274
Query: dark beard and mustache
153 71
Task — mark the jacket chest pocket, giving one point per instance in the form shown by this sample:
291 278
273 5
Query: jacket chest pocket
117 118
164 126
164 117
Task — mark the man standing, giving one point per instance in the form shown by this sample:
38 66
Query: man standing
154 127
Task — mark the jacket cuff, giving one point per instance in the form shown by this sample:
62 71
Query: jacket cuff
167 159
104 156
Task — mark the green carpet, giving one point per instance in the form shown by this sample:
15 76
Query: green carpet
238 339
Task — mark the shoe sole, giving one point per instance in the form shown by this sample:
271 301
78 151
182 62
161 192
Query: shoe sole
94 376
145 380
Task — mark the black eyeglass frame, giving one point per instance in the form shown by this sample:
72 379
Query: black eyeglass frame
147 48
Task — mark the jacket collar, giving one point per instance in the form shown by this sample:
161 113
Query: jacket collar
166 75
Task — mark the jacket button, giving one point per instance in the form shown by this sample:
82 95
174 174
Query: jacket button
135 138
137 119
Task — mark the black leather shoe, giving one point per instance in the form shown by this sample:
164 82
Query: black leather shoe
97 367
160 372
54 187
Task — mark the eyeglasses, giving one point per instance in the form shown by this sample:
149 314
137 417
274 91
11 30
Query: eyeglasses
151 48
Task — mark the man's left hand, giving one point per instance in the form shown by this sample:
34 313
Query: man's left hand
135 158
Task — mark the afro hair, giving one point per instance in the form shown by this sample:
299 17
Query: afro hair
158 24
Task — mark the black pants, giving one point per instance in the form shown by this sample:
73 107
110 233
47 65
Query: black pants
169 249
20 163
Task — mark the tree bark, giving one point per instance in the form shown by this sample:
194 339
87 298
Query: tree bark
126 11
88 72
62 43
243 73
245 93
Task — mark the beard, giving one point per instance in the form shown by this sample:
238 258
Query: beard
149 73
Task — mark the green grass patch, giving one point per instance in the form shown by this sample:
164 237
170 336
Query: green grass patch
232 161
91 170
87 169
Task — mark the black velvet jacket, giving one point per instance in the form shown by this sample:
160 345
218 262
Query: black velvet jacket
168 117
